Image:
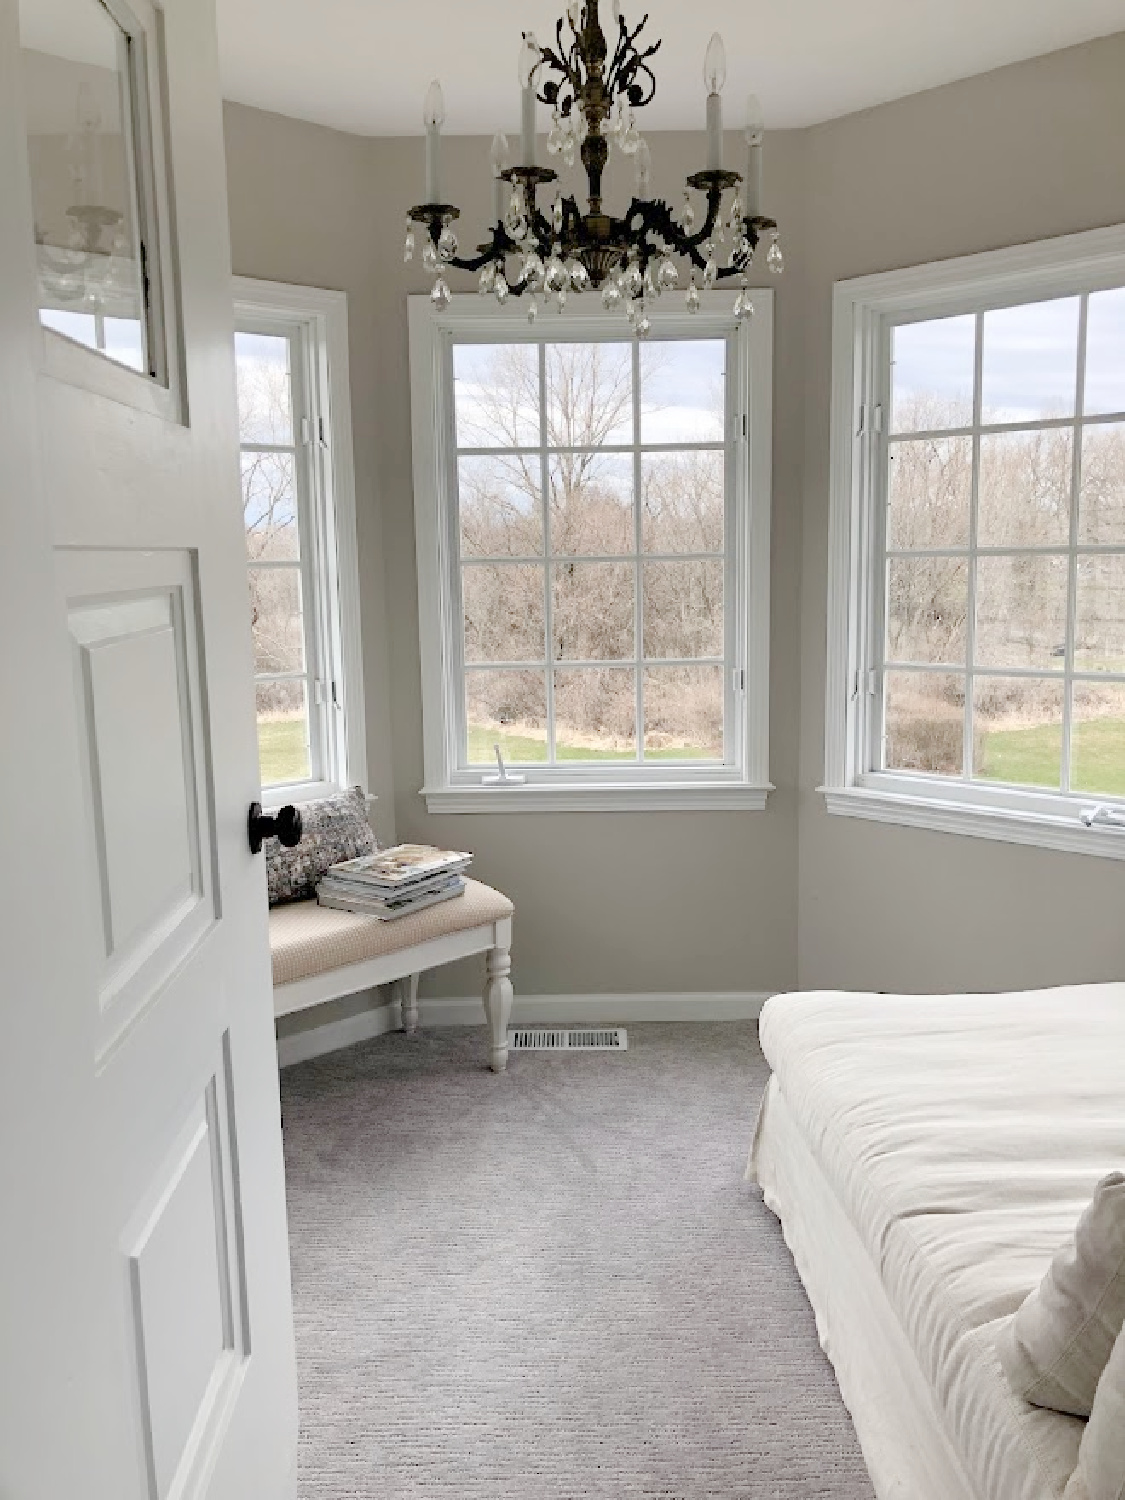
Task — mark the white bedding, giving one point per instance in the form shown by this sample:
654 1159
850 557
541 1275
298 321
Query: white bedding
961 1136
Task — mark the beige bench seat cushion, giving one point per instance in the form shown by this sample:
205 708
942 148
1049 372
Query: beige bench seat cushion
307 939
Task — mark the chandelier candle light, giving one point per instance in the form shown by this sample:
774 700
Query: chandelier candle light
593 96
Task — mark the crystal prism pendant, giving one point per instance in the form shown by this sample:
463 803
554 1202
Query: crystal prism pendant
487 278
429 256
579 276
557 213
742 253
447 243
555 135
735 217
650 287
668 276
611 295
710 272
439 296
775 261
554 276
642 325
687 213
408 244
632 283
532 309
568 151
561 296
691 297
500 288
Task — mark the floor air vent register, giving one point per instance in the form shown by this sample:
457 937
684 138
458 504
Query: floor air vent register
567 1039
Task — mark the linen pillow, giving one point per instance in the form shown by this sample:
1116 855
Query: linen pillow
335 828
1055 1348
1100 1474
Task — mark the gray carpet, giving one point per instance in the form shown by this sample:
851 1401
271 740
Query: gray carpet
552 1284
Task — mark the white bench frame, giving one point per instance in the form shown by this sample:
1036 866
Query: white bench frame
403 969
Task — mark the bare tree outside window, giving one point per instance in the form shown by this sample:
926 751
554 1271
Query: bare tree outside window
592 630
1004 605
274 554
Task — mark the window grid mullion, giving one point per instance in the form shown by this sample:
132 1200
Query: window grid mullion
1072 562
548 570
967 767
638 602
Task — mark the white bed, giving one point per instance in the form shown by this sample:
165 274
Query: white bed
926 1156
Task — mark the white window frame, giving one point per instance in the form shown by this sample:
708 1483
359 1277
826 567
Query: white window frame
742 780
318 321
864 309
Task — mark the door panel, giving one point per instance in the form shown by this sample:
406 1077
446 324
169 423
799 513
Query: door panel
140 1148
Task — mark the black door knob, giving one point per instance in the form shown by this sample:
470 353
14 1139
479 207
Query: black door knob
285 823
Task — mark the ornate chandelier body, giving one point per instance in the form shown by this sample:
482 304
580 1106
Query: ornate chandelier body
593 94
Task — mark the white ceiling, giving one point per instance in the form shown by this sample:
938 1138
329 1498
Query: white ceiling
363 65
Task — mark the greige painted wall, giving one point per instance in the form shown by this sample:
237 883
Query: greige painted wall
629 902
710 901
1019 154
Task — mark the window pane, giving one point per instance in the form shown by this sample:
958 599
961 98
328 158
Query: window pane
596 714
927 607
593 611
503 606
78 88
1100 627
269 507
1101 502
500 505
1024 498
1105 352
1017 730
924 722
265 403
592 503
276 621
683 713
283 732
683 609
1030 361
1021 612
929 491
1097 738
932 374
589 394
508 709
682 502
683 391
496 395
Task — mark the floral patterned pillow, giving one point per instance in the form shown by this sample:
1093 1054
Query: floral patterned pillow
335 828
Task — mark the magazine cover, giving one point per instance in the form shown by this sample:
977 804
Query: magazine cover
402 865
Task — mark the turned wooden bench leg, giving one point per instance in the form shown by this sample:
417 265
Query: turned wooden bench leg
408 994
498 1003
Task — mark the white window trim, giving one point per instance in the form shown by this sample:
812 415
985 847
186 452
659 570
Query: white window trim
447 788
327 313
1067 265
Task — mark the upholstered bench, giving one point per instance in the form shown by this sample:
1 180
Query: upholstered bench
320 954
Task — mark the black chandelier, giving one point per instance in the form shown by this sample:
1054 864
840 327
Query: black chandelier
593 96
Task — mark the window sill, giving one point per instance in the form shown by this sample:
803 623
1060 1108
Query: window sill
667 796
1009 825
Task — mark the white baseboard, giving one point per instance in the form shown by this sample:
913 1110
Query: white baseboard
332 1035
534 1010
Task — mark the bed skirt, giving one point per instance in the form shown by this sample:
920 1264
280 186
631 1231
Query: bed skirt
900 1432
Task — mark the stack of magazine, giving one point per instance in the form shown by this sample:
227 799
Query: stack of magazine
394 881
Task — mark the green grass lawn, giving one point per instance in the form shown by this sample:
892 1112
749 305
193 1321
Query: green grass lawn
1030 757
1027 757
520 749
282 752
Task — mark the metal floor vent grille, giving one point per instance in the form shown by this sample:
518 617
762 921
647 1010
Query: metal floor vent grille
568 1039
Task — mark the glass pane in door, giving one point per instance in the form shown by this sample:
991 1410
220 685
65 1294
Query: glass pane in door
78 89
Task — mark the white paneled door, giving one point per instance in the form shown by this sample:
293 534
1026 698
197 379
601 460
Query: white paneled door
146 1339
